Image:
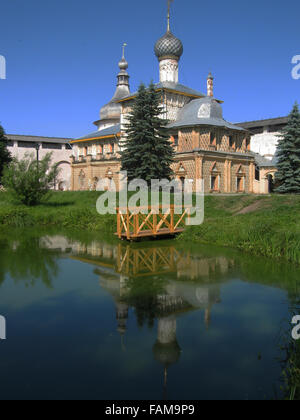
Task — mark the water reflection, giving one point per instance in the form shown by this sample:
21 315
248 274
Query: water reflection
161 283
210 312
23 258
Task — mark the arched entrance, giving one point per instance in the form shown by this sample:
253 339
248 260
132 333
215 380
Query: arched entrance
270 179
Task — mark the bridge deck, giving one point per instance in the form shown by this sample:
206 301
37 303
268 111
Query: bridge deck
149 234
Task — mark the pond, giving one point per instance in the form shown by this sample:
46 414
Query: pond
89 318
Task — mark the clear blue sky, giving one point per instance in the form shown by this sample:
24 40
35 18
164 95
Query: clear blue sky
62 57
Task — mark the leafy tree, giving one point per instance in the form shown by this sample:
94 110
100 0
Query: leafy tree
28 180
148 153
288 153
5 156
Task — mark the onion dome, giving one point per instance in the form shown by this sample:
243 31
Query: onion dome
168 47
167 354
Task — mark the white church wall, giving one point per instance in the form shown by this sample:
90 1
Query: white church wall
265 144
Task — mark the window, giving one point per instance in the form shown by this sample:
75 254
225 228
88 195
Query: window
276 128
26 144
257 173
68 147
51 146
248 145
214 183
213 139
240 184
257 130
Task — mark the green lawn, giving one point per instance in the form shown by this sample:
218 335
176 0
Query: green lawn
270 225
262 225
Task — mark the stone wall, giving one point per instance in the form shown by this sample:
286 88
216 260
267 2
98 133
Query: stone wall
86 175
60 157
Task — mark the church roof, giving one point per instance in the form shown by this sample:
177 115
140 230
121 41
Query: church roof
175 87
262 162
37 139
203 111
263 123
106 133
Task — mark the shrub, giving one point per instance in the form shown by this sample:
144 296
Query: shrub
29 181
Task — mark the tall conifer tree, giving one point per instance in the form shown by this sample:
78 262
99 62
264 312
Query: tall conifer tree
5 156
288 154
148 152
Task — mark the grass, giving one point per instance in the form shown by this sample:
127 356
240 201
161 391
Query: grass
262 225
271 230
76 210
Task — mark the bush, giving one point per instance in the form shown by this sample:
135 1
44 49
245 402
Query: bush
30 181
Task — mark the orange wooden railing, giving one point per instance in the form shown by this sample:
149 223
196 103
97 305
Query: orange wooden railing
132 225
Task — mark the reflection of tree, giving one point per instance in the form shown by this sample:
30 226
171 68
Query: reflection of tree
143 296
24 260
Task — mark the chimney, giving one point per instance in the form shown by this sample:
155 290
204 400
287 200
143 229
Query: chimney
210 85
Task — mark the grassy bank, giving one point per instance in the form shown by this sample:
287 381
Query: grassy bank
262 225
266 225
75 210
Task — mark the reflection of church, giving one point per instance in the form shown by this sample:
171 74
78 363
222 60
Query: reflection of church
207 146
186 283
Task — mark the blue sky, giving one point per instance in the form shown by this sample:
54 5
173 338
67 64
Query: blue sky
62 57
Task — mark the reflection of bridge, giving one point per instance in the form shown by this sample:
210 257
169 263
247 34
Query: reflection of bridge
149 261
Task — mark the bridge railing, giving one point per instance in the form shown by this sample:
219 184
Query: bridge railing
162 221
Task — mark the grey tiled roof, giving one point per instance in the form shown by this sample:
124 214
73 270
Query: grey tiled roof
172 86
203 112
38 139
114 130
263 162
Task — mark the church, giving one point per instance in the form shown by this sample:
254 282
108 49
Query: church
207 147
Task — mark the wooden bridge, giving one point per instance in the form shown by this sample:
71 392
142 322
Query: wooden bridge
165 222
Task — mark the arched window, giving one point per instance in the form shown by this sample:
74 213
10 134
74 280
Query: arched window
240 179
81 180
257 173
215 178
95 183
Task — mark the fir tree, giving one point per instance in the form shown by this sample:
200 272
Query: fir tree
288 154
148 153
5 156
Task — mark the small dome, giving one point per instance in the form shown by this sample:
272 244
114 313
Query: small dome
123 64
111 110
168 46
